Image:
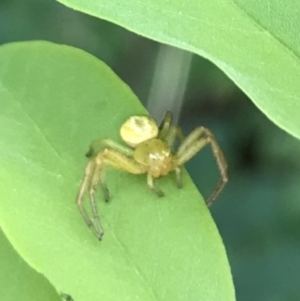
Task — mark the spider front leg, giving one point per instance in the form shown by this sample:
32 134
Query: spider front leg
97 144
86 186
169 133
178 177
151 185
192 144
95 175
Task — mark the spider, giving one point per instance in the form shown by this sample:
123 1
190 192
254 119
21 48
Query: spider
149 151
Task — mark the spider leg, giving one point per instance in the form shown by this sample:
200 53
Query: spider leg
178 177
120 161
89 170
127 164
94 175
174 132
92 190
192 144
151 185
108 143
169 132
165 125
97 144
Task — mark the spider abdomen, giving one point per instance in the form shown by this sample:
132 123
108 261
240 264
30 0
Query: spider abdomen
156 154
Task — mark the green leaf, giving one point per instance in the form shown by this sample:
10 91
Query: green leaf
256 43
18 279
54 100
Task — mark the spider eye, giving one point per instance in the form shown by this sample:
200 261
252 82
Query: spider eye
138 129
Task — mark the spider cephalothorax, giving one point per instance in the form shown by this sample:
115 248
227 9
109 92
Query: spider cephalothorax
149 151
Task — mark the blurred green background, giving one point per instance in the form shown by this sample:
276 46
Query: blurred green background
258 215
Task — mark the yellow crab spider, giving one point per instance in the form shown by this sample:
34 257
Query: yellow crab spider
149 151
